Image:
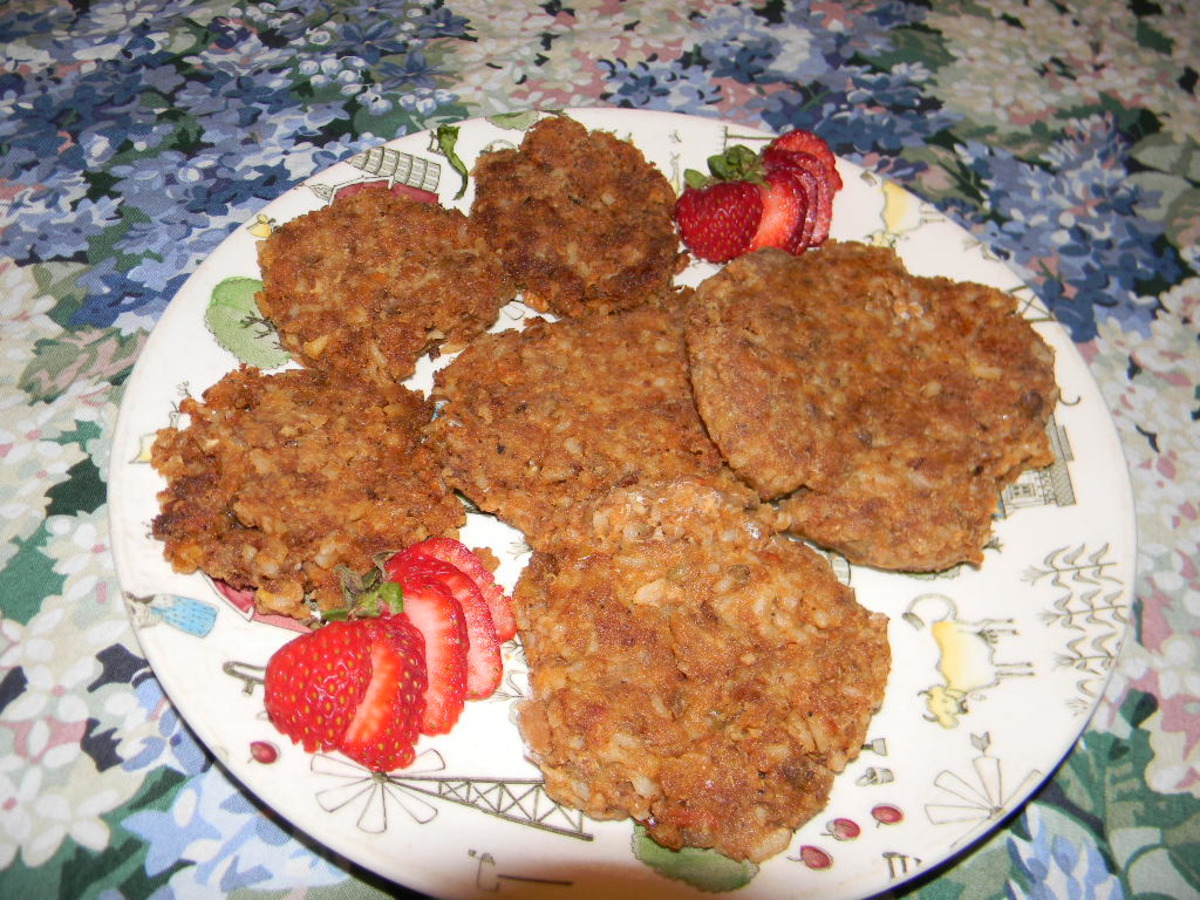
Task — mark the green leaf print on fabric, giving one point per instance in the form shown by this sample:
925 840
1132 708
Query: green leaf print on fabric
913 42
61 280
28 577
83 491
1104 781
83 873
94 354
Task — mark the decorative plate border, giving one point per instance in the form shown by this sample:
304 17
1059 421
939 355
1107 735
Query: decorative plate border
983 659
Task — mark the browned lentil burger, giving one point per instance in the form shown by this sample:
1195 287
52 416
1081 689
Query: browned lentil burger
278 479
535 423
695 673
374 281
883 410
582 221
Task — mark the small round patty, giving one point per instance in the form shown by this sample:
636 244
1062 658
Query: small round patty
536 423
695 673
582 221
884 410
373 281
278 479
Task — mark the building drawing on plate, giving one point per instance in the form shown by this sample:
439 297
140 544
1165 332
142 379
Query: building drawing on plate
1050 486
386 164
415 171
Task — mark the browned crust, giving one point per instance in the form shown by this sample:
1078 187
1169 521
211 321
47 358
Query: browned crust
886 410
374 281
278 479
582 221
694 673
535 423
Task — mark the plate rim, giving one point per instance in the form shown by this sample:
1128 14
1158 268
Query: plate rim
607 117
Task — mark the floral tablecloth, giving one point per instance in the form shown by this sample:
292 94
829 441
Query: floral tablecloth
135 135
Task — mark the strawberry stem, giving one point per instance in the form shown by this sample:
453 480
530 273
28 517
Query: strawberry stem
387 596
736 163
367 596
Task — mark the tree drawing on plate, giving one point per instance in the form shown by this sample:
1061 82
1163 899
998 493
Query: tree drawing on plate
1092 606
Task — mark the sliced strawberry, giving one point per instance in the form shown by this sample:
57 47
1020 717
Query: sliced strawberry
383 732
799 140
315 682
354 686
816 173
811 184
718 222
430 606
785 203
795 178
461 557
485 667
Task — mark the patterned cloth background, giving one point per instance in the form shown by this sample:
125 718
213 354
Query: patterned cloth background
136 134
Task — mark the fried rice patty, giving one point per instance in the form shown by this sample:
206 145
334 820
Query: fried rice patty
277 479
373 281
887 410
535 422
582 221
694 672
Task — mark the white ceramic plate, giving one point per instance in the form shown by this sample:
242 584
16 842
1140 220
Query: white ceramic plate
956 747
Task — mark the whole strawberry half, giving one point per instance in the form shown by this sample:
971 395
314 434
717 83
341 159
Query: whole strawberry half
356 686
718 221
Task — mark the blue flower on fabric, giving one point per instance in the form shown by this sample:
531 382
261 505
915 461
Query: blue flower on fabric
1050 866
225 842
667 86
415 71
1070 223
371 39
173 745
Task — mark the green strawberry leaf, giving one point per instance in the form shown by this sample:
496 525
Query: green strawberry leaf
737 163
